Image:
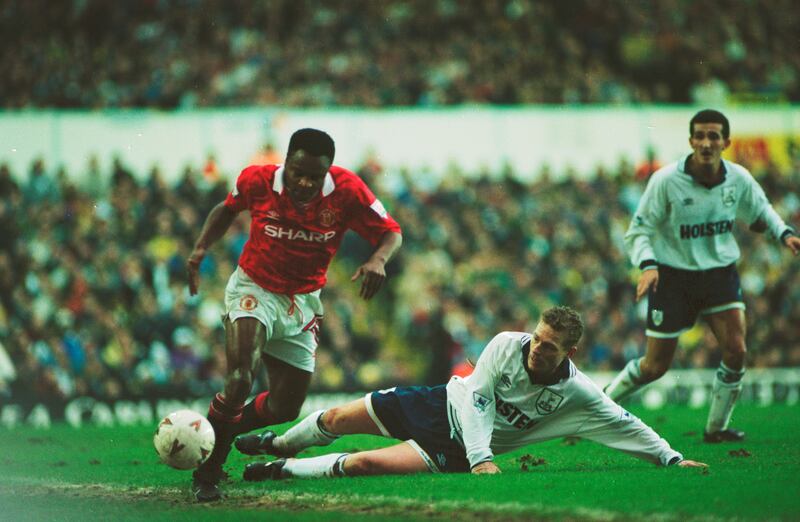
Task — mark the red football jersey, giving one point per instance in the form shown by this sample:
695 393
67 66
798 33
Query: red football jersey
290 248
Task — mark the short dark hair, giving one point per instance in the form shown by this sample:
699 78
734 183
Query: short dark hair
313 141
711 116
564 319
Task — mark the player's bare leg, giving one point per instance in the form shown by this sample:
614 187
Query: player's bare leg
350 418
657 358
639 372
243 339
729 328
288 388
318 429
398 459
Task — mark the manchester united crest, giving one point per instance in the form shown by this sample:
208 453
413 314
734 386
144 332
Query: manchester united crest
248 302
327 217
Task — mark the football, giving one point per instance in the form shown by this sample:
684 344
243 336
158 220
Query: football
184 439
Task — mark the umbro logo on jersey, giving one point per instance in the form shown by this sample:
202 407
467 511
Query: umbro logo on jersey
271 214
441 459
505 380
688 201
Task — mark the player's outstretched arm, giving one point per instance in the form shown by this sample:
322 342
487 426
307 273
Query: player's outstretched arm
609 424
373 270
692 464
217 223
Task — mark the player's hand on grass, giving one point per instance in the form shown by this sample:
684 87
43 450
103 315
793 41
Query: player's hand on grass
646 280
374 273
692 464
489 468
793 244
193 269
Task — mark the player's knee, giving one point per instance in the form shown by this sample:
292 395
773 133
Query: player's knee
736 347
283 412
361 464
652 371
333 420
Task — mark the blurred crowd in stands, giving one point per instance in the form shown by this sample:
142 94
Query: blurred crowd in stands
93 300
95 303
170 54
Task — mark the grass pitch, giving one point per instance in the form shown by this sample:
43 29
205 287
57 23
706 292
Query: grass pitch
113 473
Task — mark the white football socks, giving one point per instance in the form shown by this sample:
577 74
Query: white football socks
626 382
304 434
727 386
330 465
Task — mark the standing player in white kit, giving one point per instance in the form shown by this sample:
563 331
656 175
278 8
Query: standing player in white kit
681 237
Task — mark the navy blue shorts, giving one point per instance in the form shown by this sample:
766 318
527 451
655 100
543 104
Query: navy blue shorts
418 414
684 294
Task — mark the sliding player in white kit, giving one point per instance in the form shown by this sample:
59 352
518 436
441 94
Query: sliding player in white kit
524 389
681 237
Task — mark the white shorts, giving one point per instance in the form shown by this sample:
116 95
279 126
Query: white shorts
292 323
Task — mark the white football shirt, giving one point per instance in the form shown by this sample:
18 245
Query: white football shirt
686 225
498 409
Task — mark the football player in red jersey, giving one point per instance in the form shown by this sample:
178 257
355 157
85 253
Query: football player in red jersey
299 213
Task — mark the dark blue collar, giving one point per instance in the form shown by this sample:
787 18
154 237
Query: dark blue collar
683 166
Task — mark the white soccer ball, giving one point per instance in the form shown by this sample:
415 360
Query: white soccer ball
184 439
